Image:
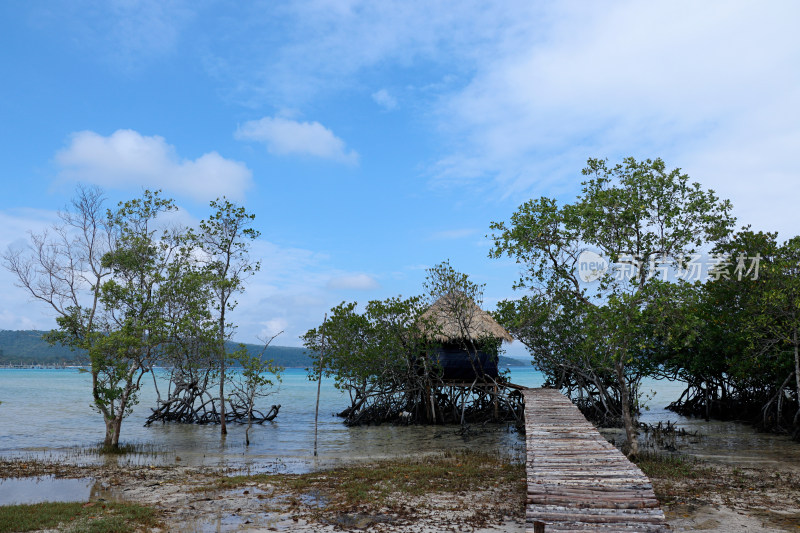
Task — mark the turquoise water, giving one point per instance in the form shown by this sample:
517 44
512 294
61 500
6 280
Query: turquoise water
48 414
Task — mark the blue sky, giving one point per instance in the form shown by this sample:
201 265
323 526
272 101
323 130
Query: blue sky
375 139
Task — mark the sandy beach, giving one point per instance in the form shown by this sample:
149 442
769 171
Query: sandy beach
708 497
192 499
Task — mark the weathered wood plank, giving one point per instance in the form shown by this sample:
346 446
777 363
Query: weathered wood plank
578 481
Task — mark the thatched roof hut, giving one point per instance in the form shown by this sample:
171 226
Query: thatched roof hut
455 317
454 320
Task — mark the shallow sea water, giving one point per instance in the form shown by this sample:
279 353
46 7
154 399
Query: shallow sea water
47 414
44 489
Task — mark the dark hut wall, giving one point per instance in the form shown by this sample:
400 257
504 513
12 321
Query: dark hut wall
458 364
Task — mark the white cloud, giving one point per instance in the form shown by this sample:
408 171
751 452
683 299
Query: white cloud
291 292
710 87
532 89
384 99
18 310
356 282
752 164
522 93
351 37
126 158
272 327
17 223
284 136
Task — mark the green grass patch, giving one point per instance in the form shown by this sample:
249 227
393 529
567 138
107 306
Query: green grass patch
373 484
672 467
92 517
125 449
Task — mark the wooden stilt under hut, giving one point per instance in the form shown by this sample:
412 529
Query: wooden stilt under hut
465 362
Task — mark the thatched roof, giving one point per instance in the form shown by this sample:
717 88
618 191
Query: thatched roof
457 317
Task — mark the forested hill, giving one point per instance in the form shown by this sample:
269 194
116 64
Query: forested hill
28 348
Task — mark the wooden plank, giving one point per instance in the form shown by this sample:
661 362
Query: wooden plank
578 481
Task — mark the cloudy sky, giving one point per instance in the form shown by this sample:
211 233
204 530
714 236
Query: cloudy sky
375 139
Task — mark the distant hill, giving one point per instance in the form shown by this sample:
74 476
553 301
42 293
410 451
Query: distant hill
28 348
285 356
510 361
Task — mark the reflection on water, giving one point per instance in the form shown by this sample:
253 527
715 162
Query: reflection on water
230 522
47 414
39 489
728 442
737 444
226 522
44 489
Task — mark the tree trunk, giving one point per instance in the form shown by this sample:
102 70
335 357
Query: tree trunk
223 428
107 442
117 423
107 415
627 418
796 376
113 427
249 425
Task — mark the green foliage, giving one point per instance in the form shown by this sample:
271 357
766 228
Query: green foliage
93 517
223 239
735 340
639 208
455 304
443 280
744 353
130 292
138 300
594 338
777 316
254 380
256 372
634 212
386 357
368 351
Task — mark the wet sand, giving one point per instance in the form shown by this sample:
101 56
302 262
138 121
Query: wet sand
186 503
723 499
732 499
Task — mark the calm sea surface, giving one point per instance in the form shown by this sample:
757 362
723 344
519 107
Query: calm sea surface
47 413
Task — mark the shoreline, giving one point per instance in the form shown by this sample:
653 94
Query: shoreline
718 497
695 495
471 492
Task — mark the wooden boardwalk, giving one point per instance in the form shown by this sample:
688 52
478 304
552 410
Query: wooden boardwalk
578 481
